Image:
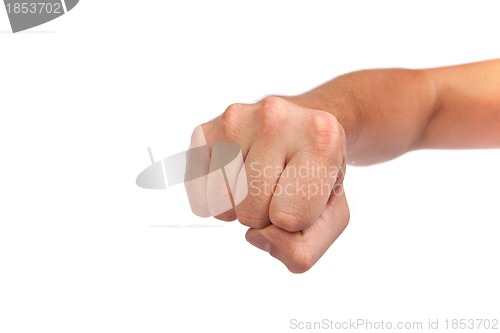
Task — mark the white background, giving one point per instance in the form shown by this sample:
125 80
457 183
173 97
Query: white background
82 249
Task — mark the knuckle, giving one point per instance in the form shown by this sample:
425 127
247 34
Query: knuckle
233 108
229 120
324 121
325 128
272 102
288 221
198 137
272 112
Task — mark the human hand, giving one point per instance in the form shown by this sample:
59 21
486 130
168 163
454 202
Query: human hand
289 190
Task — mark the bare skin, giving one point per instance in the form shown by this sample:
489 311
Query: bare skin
360 118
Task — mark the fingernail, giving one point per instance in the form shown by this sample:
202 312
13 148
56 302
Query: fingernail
261 242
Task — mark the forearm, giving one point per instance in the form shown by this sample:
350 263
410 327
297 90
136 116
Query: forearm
388 112
468 107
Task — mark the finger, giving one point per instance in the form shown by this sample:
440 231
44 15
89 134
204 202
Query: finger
263 167
197 169
236 183
225 167
207 177
299 251
228 147
302 192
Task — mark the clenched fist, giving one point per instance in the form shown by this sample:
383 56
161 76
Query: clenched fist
284 182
